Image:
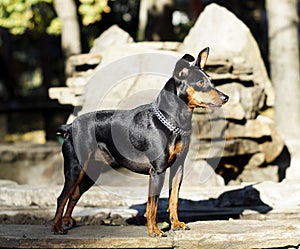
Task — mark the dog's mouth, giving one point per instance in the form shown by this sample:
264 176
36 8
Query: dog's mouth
200 104
214 106
210 105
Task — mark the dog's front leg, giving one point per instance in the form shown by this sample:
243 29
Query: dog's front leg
155 185
176 175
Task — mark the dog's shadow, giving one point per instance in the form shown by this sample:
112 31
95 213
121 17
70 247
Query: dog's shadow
230 204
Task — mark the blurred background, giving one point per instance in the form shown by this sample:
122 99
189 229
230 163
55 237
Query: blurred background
32 55
38 36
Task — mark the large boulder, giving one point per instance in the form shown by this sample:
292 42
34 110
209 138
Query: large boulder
229 38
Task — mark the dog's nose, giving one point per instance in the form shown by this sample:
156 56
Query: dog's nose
224 98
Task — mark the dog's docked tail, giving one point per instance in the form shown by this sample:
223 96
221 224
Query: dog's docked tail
62 130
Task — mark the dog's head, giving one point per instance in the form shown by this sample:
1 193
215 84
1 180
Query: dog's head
194 84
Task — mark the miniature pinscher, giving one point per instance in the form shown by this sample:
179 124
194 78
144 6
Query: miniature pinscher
147 140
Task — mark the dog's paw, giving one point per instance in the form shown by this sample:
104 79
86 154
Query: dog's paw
180 226
156 232
69 222
58 230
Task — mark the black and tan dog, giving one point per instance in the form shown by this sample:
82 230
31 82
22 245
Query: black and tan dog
147 140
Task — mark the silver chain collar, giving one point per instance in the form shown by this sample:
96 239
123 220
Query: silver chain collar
171 127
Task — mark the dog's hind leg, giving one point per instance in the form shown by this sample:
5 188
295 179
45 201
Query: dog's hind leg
85 184
73 176
68 190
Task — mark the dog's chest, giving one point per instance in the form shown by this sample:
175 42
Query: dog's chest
175 150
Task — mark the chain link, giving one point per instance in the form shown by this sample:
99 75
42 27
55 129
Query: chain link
171 127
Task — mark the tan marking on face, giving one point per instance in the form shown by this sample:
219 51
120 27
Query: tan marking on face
193 102
175 150
202 99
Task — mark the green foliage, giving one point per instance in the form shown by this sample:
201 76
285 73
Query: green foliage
19 15
39 15
55 27
91 10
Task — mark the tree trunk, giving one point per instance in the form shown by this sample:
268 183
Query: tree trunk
284 64
159 20
143 18
70 33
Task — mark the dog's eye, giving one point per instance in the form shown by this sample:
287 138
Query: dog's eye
202 87
200 83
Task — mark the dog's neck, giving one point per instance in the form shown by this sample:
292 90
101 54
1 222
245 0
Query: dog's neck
173 106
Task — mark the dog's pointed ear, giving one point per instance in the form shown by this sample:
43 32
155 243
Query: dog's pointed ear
182 67
188 57
202 58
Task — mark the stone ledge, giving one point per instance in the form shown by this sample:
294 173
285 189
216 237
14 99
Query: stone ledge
35 236
204 234
277 195
240 234
257 228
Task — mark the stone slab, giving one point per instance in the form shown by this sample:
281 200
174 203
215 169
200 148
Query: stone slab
203 234
240 234
35 236
257 228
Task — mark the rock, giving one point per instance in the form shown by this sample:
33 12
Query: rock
269 173
251 99
219 68
230 39
8 156
81 65
255 161
200 174
240 147
66 95
280 196
228 148
111 37
253 172
5 183
234 111
137 76
32 164
273 147
253 128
